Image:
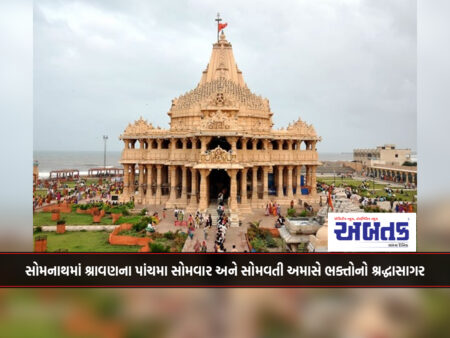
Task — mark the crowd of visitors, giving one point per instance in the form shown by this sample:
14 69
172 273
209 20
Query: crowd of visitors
222 226
56 191
272 208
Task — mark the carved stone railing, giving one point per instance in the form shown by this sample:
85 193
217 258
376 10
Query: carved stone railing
276 155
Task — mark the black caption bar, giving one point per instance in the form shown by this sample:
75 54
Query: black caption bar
224 270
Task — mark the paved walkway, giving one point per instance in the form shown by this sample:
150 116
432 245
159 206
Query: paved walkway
234 236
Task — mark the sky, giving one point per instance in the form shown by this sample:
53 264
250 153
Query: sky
346 66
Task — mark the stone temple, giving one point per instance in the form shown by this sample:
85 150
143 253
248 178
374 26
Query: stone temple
221 139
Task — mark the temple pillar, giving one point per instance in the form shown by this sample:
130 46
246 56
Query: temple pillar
254 185
298 182
289 143
173 187
280 144
149 193
203 203
254 144
265 184
313 180
126 178
308 175
183 185
233 141
244 186
280 182
233 189
158 184
289 192
132 180
141 182
193 199
204 142
244 147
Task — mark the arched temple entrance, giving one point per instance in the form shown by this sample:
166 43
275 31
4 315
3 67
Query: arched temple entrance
219 181
219 142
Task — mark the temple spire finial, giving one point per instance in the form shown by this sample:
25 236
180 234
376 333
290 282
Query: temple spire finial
220 26
218 19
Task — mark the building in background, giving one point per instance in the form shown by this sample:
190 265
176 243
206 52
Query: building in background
382 155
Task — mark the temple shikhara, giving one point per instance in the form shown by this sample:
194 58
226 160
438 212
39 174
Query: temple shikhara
221 140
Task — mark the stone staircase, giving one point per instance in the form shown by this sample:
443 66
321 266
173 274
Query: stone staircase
233 217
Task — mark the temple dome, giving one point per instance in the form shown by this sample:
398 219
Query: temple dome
221 87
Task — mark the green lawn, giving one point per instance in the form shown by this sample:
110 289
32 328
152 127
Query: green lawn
407 195
348 181
84 241
44 218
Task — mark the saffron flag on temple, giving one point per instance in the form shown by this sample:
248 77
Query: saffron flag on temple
222 26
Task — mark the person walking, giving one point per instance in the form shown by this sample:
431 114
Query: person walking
210 220
197 246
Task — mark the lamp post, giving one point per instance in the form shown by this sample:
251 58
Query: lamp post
105 138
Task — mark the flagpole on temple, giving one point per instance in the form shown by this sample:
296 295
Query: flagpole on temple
218 19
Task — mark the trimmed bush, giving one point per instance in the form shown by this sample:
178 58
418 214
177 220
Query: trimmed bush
158 247
169 235
291 212
259 245
138 227
270 242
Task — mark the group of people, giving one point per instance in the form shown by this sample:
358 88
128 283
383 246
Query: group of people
179 214
404 207
200 220
59 191
200 247
222 226
273 209
195 222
